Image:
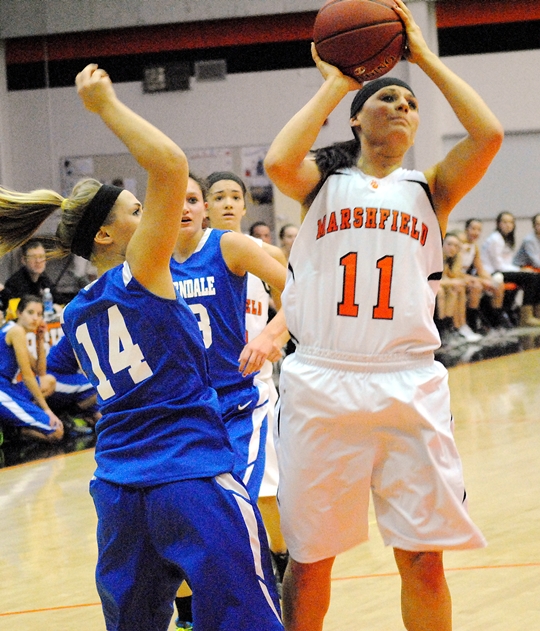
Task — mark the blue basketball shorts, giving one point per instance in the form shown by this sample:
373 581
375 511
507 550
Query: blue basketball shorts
206 531
244 413
17 408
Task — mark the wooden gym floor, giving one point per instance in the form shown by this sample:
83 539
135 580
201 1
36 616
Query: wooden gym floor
48 548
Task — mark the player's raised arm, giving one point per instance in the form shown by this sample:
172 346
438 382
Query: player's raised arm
151 246
467 162
287 163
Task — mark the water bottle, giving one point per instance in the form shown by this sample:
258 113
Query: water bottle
48 308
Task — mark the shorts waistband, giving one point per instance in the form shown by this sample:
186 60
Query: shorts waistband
363 363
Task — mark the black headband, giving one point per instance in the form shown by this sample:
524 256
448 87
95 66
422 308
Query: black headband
374 86
93 217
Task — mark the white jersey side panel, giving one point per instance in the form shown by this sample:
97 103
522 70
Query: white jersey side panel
365 267
257 302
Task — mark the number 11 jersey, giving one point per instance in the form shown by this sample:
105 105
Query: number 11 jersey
365 267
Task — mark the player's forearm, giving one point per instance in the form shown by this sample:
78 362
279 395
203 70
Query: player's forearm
294 141
469 107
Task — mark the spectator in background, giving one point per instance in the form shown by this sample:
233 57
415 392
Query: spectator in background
479 281
261 230
452 296
31 277
23 404
287 235
528 254
497 256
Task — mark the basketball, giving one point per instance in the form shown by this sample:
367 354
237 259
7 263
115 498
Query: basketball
363 38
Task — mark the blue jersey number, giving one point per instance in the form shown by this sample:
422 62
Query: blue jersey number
203 319
123 353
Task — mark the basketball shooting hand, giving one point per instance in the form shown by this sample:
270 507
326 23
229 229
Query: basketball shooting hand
95 88
329 71
416 47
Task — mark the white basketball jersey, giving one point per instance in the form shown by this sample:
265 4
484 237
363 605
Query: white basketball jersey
468 254
257 302
365 267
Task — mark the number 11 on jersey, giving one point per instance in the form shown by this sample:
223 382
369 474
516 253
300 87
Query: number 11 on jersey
348 306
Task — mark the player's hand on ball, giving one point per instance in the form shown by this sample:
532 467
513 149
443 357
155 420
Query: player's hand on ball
416 46
327 70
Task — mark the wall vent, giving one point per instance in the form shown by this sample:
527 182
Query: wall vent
211 70
167 77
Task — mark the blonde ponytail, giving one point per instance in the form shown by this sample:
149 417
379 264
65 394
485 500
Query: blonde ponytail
21 214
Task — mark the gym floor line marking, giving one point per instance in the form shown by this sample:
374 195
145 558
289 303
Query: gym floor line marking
447 569
334 578
43 609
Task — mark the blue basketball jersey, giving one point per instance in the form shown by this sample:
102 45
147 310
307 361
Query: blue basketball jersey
218 299
61 358
8 361
145 356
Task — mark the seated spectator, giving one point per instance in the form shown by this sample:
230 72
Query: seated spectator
480 283
31 278
73 393
497 254
528 255
23 405
451 297
287 235
261 230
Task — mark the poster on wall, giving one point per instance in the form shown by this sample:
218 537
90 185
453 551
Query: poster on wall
257 182
114 169
74 169
202 162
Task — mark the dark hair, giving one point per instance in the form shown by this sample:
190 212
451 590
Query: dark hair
283 228
30 245
26 300
217 176
452 233
510 238
329 160
256 224
469 222
451 262
201 182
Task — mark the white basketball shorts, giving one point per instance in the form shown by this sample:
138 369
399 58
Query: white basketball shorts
347 429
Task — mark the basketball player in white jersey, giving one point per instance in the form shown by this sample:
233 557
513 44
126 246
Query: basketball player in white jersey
226 207
364 406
